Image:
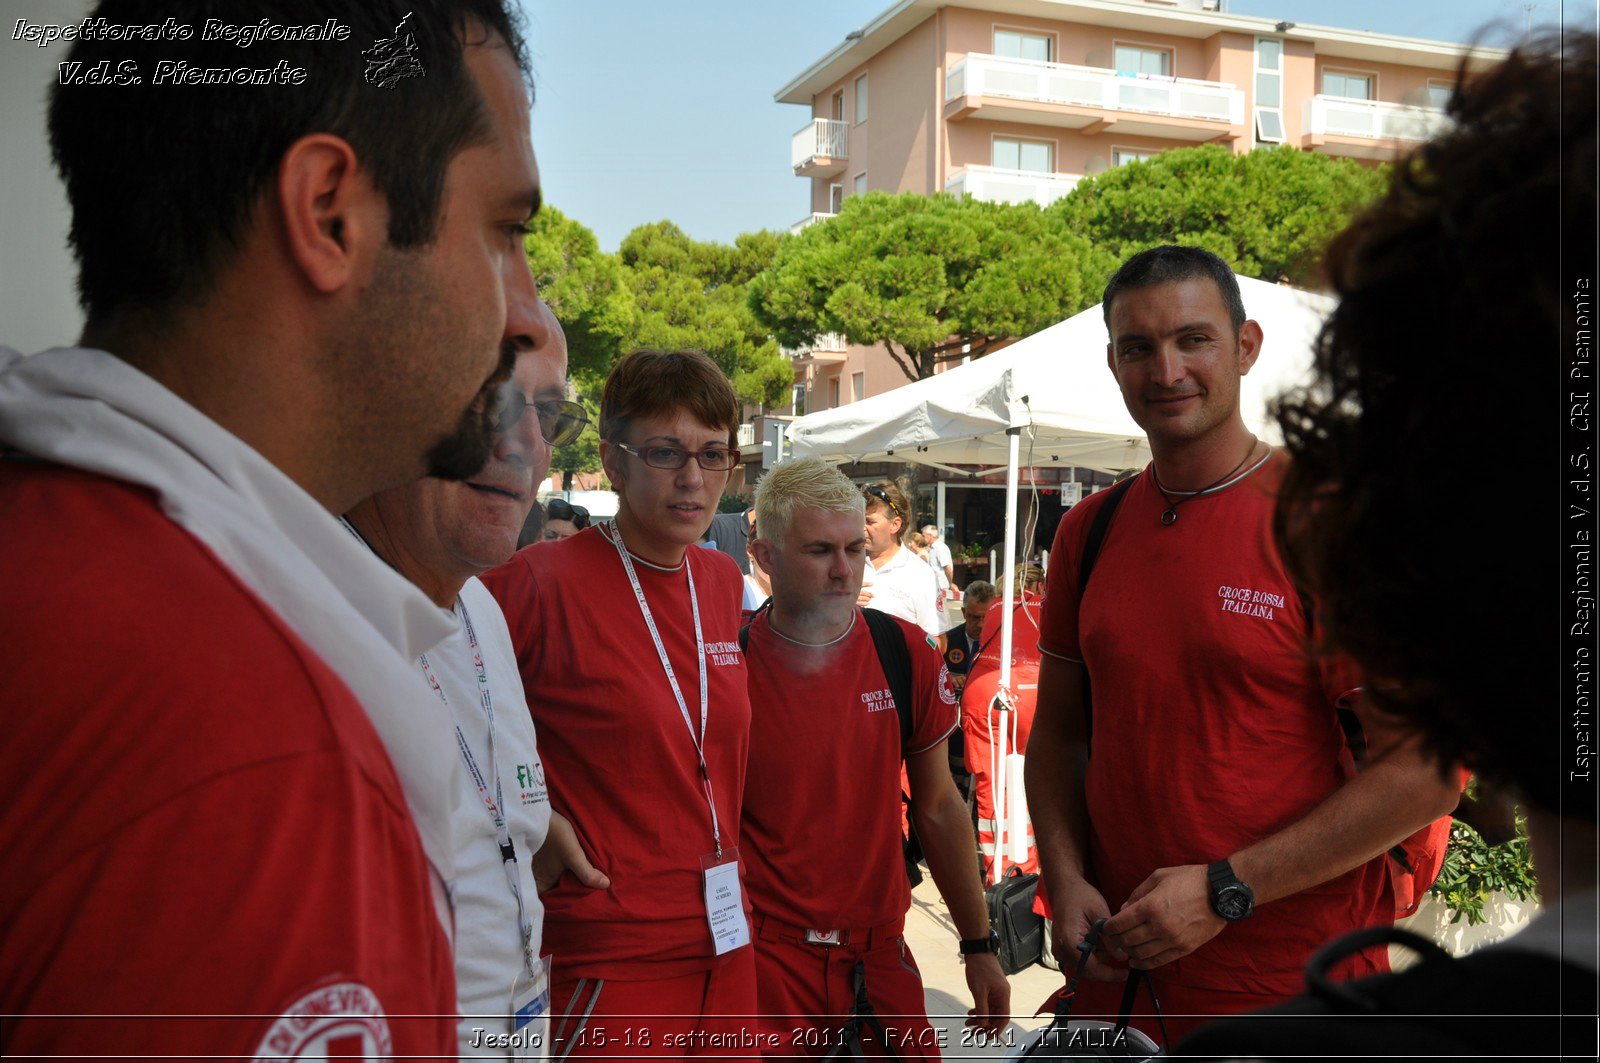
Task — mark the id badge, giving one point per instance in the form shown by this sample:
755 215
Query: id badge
725 901
530 1013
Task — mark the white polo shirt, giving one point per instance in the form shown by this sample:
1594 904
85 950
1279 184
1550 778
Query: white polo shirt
905 587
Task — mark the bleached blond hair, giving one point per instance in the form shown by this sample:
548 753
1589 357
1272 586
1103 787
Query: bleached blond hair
804 483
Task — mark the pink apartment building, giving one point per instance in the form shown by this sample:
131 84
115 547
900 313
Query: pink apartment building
1014 100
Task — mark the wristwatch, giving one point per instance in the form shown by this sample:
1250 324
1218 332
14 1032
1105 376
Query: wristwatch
1230 898
978 946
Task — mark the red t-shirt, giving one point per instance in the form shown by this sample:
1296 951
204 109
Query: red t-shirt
821 830
983 678
977 699
199 818
1213 726
618 757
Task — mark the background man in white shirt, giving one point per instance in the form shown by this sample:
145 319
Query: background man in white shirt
944 566
901 584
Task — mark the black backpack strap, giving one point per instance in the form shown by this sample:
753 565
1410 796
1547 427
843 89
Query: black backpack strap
889 639
1097 531
1091 553
863 1016
744 629
894 656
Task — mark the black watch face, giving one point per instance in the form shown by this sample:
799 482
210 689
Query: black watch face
1233 903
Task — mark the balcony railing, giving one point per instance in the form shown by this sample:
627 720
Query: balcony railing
1369 119
827 347
821 142
747 435
1087 86
997 185
810 220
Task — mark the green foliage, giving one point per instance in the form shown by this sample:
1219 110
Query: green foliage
927 276
1473 870
692 294
587 291
662 289
1268 213
732 504
978 547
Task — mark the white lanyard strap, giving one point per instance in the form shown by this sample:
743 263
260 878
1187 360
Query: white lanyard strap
697 737
494 804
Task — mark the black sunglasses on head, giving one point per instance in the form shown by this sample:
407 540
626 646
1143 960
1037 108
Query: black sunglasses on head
883 496
561 421
561 509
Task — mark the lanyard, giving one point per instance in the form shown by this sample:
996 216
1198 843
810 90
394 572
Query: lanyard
494 804
697 737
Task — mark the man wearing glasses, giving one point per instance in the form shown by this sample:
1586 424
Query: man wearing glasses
441 535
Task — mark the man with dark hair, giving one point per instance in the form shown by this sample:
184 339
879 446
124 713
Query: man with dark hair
1207 814
298 292
961 642
1376 443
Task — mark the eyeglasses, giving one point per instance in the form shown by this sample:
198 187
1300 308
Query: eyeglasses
561 509
711 459
560 421
883 496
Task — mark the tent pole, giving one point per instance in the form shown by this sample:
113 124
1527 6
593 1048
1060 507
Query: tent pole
1008 575
1008 580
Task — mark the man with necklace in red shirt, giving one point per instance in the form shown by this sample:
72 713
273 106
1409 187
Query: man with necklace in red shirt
1209 815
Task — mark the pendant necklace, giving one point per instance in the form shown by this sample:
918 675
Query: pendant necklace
1227 479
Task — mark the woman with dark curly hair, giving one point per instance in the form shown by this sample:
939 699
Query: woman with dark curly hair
1466 296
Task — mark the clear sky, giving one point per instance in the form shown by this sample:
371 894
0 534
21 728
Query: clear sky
648 110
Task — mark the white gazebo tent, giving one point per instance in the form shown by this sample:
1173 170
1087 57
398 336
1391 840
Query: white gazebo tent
1055 388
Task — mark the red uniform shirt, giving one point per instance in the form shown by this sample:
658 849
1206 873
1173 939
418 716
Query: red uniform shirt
983 743
618 757
821 829
199 818
1213 727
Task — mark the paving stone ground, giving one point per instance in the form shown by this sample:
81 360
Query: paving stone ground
932 938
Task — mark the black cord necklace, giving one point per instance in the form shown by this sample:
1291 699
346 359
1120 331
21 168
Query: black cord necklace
1170 517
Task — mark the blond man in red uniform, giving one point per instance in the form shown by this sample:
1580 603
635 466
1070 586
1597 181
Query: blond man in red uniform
821 829
626 635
